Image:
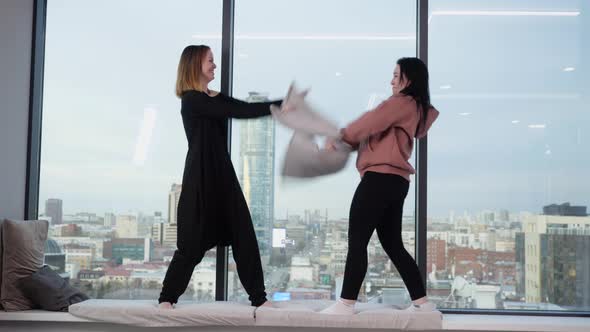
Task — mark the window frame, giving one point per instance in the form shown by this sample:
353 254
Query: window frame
221 287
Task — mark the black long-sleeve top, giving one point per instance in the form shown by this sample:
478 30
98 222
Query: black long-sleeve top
211 200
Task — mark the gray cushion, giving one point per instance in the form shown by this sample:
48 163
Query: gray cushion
49 291
147 313
23 245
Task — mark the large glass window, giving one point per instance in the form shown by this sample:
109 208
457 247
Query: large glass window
508 223
113 144
346 53
508 185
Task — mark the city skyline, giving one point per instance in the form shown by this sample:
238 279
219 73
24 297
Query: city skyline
176 186
484 253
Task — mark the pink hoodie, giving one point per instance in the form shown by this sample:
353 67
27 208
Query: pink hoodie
385 136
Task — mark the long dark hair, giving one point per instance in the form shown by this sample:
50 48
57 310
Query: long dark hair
415 71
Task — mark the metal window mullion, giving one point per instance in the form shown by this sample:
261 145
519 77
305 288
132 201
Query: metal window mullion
35 110
421 149
227 44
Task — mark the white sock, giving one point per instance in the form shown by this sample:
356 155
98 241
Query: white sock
424 307
339 308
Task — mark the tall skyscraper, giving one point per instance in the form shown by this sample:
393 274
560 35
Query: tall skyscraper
552 260
173 198
256 172
54 209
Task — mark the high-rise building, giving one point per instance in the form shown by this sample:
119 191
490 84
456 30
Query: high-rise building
67 230
158 217
173 198
157 233
110 219
502 215
484 266
127 226
146 222
256 172
80 255
131 249
54 209
296 235
436 253
487 216
565 209
170 235
552 260
164 234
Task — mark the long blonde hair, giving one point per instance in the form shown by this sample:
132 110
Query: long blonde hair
189 69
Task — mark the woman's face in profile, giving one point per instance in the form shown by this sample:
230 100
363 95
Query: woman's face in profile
398 83
208 66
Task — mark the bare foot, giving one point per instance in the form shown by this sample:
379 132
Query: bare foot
165 305
268 304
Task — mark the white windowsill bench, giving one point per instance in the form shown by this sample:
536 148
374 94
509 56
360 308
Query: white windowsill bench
135 315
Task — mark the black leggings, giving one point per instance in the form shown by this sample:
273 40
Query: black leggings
378 204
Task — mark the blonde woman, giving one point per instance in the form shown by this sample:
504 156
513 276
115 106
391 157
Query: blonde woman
211 210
